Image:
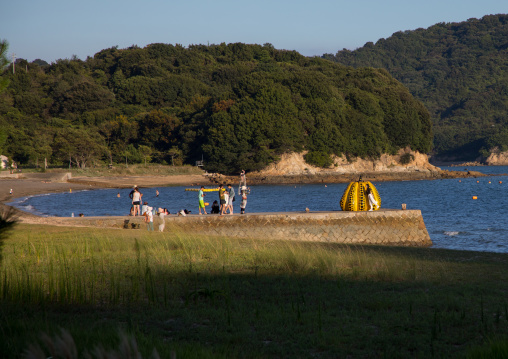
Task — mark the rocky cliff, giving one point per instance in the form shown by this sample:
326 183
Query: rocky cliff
497 158
292 168
294 164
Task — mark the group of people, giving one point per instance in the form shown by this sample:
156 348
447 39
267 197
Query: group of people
223 206
226 198
145 210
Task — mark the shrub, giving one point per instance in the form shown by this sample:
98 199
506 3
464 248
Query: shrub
318 158
406 158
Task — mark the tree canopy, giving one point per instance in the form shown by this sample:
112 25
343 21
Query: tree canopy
3 85
238 106
460 73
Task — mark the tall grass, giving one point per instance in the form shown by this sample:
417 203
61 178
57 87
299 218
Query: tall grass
98 268
271 298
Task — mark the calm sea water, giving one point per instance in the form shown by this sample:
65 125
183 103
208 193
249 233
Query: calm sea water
454 220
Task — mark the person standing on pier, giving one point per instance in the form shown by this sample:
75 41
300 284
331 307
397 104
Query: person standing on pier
372 201
222 198
149 218
243 179
231 198
243 204
136 196
201 200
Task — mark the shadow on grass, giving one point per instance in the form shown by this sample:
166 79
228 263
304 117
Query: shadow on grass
241 298
244 315
8 220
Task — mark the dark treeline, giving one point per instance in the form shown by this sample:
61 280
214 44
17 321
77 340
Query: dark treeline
236 106
459 71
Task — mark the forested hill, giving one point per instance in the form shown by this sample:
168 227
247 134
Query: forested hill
236 106
459 71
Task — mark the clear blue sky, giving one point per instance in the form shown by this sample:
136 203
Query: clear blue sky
59 29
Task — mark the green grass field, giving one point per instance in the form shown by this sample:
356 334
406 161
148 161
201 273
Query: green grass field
193 297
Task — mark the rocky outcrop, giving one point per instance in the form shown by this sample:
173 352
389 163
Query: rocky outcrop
497 158
293 164
467 164
292 168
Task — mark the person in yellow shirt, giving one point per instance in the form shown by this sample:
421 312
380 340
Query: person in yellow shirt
222 198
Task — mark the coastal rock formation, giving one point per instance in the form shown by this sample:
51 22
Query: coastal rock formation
497 158
468 164
294 164
406 165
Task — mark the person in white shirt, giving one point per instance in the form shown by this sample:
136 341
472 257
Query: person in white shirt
136 196
149 218
162 215
231 197
372 201
143 208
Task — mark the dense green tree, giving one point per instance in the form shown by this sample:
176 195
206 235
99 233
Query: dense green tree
3 139
19 144
4 46
42 149
176 156
237 106
146 153
158 129
79 146
460 73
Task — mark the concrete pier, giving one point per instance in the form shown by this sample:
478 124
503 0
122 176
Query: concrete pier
383 227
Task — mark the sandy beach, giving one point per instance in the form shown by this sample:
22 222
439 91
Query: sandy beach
43 183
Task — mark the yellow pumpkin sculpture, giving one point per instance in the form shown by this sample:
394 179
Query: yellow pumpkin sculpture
355 197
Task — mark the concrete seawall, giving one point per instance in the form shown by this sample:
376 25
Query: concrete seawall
383 227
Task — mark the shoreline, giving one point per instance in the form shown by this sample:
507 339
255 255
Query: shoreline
334 177
44 183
